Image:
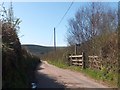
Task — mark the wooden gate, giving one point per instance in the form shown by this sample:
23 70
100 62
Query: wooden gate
77 60
94 62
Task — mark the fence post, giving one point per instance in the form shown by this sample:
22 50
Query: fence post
70 60
83 58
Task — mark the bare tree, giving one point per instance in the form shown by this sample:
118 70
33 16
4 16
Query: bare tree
90 22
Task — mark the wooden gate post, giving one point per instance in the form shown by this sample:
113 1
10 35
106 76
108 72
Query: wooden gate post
83 58
70 59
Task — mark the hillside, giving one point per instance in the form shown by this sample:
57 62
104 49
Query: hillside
40 50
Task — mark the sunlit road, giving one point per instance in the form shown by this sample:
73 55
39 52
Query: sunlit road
49 76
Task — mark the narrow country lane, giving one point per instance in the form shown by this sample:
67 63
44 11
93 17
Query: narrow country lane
49 76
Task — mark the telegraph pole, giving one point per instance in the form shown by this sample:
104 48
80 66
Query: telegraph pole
54 39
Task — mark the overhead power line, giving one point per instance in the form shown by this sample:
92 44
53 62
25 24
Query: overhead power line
64 14
59 24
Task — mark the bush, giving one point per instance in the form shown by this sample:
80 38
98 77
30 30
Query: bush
18 65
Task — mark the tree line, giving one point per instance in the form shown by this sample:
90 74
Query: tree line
94 20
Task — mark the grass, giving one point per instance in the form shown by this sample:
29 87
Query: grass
109 78
58 63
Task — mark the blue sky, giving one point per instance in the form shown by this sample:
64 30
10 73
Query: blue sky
39 20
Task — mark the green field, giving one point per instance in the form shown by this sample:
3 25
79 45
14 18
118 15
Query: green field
40 50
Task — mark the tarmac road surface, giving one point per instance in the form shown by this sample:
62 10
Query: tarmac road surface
49 76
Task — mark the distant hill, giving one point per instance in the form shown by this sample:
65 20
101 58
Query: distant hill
39 50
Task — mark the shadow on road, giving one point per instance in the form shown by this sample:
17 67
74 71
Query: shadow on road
43 81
